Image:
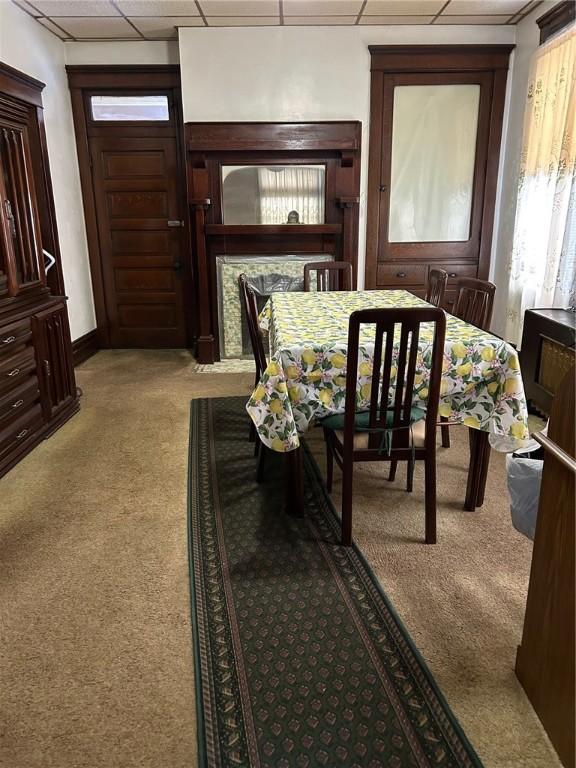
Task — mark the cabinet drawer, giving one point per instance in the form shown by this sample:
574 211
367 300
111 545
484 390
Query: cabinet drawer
16 368
402 274
14 336
20 430
16 401
456 271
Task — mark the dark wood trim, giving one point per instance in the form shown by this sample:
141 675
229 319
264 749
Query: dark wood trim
137 76
558 17
439 58
491 177
21 86
264 230
325 136
85 78
84 347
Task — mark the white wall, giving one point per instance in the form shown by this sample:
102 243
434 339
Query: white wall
299 73
527 41
124 52
27 46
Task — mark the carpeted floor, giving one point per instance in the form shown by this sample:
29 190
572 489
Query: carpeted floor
96 664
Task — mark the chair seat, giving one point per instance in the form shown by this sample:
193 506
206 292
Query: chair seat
417 437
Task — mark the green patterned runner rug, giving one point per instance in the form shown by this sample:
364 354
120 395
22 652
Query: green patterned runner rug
300 658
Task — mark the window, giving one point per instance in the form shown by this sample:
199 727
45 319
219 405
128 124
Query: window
139 108
542 263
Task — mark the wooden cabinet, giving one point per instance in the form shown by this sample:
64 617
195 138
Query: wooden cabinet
435 127
53 357
37 387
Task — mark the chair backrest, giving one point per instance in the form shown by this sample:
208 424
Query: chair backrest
474 301
436 287
330 275
396 344
251 310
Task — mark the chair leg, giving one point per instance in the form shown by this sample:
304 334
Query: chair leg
252 432
410 475
392 473
260 464
430 499
257 446
445 433
329 463
347 480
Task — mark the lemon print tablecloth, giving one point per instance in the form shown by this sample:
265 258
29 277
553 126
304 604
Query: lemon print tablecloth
306 377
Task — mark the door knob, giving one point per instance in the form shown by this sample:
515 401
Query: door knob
177 265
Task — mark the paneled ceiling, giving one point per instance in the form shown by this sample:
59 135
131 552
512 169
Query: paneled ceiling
160 19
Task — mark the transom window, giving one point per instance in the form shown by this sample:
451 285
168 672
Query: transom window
130 108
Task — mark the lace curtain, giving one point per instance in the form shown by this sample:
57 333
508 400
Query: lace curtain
296 188
542 263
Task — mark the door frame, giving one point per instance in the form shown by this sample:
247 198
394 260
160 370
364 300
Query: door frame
83 79
390 60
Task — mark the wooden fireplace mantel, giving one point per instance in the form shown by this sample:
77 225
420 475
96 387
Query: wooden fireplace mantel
335 144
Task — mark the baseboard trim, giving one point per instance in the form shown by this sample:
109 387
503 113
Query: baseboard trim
85 347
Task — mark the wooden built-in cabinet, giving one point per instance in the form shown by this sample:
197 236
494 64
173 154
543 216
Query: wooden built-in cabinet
37 387
435 129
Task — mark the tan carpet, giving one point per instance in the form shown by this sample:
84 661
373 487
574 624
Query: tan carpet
96 664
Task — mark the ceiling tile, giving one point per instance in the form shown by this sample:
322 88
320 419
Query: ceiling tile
57 8
322 7
471 20
483 7
166 8
403 7
55 29
320 20
395 19
236 8
243 21
165 27
26 7
99 28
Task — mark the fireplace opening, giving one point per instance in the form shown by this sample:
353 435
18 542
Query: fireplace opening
267 275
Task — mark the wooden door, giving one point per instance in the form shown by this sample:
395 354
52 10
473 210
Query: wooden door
138 209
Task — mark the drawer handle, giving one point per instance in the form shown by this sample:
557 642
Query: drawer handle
17 404
400 274
22 434
15 372
8 339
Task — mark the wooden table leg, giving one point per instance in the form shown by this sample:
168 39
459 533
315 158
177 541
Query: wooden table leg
484 473
294 483
477 469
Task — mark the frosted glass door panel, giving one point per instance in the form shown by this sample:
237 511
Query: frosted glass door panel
433 153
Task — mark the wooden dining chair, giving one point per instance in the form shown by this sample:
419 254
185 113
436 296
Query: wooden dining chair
436 286
251 310
330 275
393 428
474 303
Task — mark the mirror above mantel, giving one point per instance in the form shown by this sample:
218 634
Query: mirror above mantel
268 188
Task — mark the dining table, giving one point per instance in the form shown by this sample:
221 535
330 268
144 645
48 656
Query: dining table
305 379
